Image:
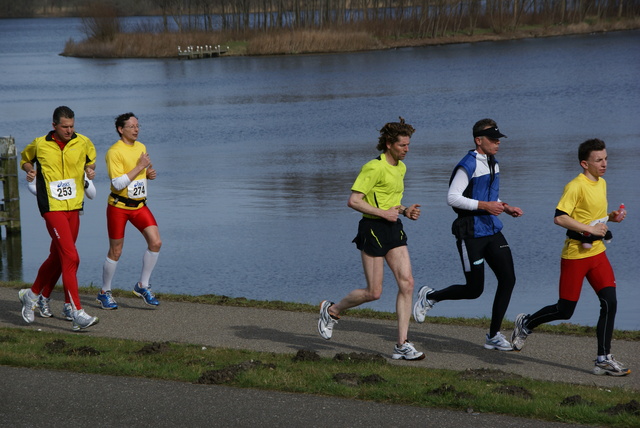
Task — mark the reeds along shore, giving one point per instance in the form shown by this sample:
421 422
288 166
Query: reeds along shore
165 45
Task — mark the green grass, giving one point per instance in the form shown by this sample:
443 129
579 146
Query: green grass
477 391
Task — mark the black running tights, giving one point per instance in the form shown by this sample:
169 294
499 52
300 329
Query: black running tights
563 310
473 253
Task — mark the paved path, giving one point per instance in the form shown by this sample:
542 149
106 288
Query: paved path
548 357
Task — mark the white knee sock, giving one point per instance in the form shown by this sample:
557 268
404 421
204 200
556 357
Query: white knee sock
108 271
149 260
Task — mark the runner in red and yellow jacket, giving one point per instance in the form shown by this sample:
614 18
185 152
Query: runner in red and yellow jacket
58 162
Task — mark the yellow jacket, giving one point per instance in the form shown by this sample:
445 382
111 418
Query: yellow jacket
59 173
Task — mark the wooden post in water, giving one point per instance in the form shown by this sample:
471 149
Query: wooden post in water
10 204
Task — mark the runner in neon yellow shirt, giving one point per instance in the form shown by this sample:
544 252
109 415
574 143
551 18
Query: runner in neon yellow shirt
377 194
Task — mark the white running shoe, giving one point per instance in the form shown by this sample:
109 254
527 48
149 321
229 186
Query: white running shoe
498 342
326 321
610 367
423 304
407 352
29 301
67 312
81 320
43 306
520 332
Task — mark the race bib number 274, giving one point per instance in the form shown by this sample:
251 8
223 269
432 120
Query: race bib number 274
137 189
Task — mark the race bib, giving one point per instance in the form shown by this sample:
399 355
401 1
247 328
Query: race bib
63 189
137 189
600 220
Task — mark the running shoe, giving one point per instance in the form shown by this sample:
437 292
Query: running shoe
146 295
106 300
67 312
82 320
498 342
406 352
326 321
423 304
610 367
43 306
520 332
28 304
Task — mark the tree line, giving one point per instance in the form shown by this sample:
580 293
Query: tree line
419 18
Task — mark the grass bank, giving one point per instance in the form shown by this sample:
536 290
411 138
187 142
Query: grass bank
352 376
335 40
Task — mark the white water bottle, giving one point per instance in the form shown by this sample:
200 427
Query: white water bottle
586 244
621 212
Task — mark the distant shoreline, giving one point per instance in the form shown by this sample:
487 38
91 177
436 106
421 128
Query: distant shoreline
165 45
572 30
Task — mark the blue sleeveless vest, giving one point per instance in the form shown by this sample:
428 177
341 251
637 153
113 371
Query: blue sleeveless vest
478 223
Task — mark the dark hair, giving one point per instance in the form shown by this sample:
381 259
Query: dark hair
484 124
593 145
60 112
391 131
120 120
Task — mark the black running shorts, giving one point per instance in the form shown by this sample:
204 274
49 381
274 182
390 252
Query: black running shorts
377 236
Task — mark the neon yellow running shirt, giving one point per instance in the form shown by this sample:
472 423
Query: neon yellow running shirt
381 183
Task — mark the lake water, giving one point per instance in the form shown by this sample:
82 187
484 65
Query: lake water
256 156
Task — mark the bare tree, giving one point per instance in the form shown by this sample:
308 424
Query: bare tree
100 21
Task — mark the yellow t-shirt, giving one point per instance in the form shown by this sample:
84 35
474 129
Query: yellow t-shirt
381 183
122 158
585 201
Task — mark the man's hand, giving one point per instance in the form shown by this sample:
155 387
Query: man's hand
391 214
413 212
91 173
512 211
599 229
492 207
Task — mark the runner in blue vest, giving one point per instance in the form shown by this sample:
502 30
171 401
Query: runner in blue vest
473 195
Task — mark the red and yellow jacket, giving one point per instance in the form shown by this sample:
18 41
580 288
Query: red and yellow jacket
60 173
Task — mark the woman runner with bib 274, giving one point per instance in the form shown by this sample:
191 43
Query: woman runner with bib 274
129 167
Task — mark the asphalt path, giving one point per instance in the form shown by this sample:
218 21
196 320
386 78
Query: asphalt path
40 397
